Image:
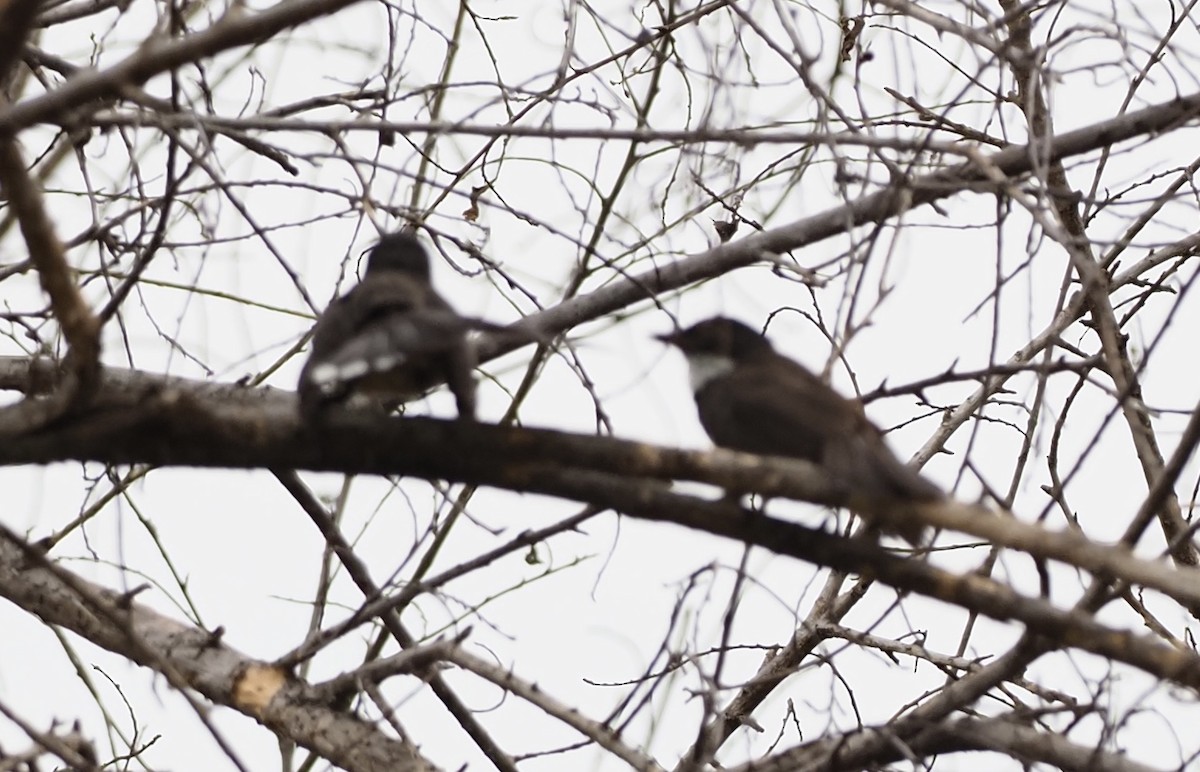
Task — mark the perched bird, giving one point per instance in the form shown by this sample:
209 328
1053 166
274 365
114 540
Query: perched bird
753 399
390 336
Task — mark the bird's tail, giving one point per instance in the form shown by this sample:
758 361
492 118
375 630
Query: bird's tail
885 489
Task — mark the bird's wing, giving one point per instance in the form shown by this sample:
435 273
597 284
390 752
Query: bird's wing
819 425
379 325
777 410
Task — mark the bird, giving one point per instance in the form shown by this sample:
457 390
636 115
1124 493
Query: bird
753 399
391 336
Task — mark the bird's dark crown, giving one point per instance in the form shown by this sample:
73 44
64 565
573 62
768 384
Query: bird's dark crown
399 251
719 336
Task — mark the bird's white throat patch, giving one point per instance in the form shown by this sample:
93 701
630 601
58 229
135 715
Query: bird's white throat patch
702 368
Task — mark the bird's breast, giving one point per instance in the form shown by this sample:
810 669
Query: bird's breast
703 368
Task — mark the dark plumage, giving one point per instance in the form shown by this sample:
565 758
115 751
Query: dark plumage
753 399
391 336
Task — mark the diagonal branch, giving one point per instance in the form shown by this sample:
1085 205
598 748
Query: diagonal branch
200 658
173 427
138 418
79 325
158 55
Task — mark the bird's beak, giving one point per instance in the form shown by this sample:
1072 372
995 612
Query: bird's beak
668 337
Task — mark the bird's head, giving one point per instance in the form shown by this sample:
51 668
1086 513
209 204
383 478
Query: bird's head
399 251
718 337
715 346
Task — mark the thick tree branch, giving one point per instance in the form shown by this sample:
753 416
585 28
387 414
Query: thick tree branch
1004 735
16 21
171 426
158 55
79 325
223 675
1071 233
873 208
139 418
